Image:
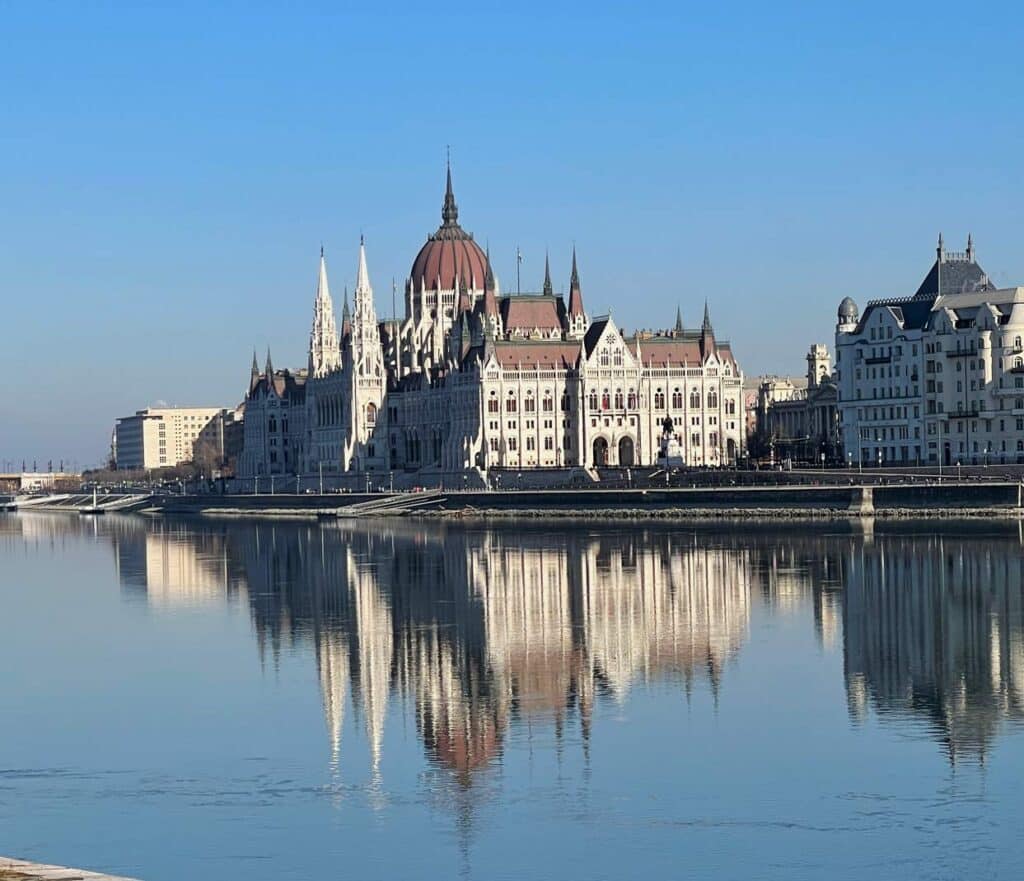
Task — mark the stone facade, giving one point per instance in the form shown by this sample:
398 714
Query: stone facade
798 419
474 379
937 377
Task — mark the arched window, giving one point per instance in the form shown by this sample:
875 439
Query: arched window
631 399
677 399
273 423
510 404
604 357
1017 343
617 358
618 399
694 400
593 399
492 403
1018 363
659 399
730 407
606 401
712 400
371 414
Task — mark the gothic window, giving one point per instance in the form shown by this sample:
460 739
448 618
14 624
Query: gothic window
510 404
371 414
631 399
492 405
529 405
695 440
273 423
529 443
593 400
618 399
694 400
604 357
606 401
713 440
677 399
659 399
1017 343
712 400
617 358
511 444
565 402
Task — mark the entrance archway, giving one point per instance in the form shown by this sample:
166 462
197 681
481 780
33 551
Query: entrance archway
730 450
600 451
626 452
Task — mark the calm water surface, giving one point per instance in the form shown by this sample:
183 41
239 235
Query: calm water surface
389 700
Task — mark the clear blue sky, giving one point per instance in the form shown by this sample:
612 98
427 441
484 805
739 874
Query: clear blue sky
170 172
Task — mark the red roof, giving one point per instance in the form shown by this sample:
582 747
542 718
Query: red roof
553 355
527 313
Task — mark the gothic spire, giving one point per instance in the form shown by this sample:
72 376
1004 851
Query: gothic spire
490 298
549 291
362 275
940 250
575 293
270 366
255 363
679 319
450 211
324 355
970 247
706 326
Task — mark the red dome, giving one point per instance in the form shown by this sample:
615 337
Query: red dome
449 253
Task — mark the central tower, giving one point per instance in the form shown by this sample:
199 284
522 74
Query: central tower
448 265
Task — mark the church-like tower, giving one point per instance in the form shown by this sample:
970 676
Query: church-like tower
364 366
324 351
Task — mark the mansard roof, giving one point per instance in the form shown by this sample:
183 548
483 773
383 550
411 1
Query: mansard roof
526 312
953 273
528 354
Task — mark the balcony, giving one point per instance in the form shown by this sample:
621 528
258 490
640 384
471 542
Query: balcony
966 353
881 359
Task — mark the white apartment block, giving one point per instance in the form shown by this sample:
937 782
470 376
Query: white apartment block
937 377
164 437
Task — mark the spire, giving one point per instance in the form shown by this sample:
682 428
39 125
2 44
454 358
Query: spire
575 293
941 249
270 366
970 248
362 275
490 299
706 326
549 291
324 355
450 211
255 364
679 320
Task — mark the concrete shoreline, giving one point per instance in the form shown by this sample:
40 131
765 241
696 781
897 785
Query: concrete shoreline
1003 500
23 870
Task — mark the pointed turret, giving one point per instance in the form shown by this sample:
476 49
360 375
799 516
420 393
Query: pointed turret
941 249
707 334
324 353
575 293
449 211
254 373
346 317
362 275
269 369
679 320
577 318
549 290
970 248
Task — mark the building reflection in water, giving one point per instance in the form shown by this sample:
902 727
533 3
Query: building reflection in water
934 632
483 629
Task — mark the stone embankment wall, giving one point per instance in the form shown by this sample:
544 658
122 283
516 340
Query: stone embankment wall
949 500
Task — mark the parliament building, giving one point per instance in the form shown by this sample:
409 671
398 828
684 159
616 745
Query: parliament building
472 379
